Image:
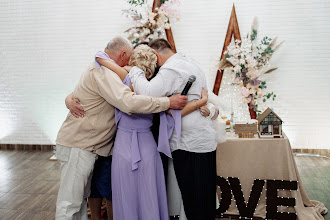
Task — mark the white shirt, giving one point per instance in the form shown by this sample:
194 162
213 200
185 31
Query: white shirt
197 132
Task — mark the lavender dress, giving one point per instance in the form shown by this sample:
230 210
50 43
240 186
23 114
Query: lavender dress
138 183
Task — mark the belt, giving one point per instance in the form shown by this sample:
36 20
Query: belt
135 149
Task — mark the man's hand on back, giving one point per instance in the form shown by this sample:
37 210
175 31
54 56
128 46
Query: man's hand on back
73 104
178 101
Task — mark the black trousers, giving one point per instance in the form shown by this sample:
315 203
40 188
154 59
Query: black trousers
196 175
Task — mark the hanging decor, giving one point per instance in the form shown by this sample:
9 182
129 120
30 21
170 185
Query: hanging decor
151 22
247 60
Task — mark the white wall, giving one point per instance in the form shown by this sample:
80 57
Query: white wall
45 45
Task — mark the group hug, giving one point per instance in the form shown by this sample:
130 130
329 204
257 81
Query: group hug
127 128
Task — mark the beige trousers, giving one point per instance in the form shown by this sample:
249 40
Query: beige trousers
76 174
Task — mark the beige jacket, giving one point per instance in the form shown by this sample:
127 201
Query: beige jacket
100 90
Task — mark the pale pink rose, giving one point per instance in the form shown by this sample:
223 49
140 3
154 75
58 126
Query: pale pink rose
252 73
245 92
246 100
241 85
151 16
248 86
258 90
260 95
251 91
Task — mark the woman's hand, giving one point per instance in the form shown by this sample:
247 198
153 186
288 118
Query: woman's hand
205 111
204 97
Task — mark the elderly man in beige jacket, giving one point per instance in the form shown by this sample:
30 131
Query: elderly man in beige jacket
80 140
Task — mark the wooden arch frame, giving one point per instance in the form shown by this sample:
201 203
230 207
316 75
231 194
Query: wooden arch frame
232 30
168 32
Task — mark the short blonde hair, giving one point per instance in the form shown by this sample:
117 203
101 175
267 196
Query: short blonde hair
145 58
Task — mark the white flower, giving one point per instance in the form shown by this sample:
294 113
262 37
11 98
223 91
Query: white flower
136 35
237 69
233 61
147 31
246 46
167 26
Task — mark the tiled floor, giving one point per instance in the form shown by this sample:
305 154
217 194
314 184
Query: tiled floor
29 183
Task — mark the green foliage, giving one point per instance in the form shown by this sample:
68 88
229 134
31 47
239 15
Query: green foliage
136 41
263 85
254 35
266 40
163 1
136 2
268 96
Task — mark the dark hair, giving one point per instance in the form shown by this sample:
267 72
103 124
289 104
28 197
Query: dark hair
160 44
141 43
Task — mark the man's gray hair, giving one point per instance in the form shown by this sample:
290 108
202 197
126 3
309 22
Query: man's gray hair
119 43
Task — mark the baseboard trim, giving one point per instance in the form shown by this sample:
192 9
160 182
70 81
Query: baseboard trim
321 152
26 147
31 147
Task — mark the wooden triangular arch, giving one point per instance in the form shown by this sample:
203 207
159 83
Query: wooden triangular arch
168 32
233 29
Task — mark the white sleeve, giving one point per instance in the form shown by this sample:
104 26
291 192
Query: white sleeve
213 111
141 85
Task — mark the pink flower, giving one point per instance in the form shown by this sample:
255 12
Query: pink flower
260 95
245 92
248 86
151 16
252 73
246 100
169 8
159 22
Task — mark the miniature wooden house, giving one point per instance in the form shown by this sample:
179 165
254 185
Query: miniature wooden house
270 124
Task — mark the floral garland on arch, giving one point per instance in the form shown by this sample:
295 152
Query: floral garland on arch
247 61
147 24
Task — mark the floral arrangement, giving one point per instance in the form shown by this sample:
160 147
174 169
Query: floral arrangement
248 60
147 24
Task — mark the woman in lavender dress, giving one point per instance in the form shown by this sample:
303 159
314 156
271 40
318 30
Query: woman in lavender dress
138 184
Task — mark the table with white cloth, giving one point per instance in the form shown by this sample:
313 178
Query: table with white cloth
266 159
